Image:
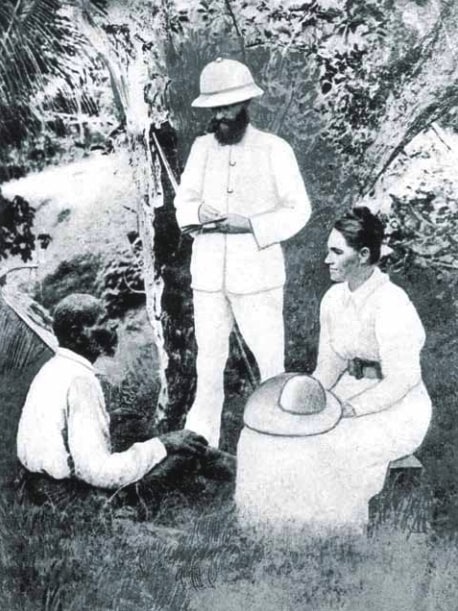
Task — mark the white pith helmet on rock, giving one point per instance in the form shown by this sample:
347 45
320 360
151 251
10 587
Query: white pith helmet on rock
224 82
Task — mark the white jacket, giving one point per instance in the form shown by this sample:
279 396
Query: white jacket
258 178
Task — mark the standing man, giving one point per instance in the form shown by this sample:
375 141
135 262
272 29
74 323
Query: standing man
248 183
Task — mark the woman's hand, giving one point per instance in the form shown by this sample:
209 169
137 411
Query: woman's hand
348 411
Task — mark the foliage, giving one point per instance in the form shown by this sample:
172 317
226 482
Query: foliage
50 86
16 222
422 231
78 275
330 70
121 280
332 73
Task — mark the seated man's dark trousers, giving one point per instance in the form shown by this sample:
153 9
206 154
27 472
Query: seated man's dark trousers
174 473
180 474
40 488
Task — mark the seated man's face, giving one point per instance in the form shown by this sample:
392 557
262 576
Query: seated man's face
97 339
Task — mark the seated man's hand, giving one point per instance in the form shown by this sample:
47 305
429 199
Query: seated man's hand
184 442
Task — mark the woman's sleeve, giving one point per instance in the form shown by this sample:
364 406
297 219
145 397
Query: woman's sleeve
400 336
330 365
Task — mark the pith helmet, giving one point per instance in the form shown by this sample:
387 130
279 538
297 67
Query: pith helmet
224 82
292 405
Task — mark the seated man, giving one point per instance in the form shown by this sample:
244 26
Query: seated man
63 440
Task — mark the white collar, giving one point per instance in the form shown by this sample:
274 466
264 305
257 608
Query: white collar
73 356
359 295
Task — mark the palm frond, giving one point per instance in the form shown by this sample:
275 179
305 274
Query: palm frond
39 40
24 335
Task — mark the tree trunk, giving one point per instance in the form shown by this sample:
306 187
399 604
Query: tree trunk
147 174
172 259
129 80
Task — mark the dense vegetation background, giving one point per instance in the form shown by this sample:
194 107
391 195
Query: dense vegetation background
366 93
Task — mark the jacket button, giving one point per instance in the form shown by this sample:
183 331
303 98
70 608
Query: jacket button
229 190
232 163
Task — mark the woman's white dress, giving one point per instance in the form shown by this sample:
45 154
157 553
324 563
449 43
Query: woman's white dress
326 481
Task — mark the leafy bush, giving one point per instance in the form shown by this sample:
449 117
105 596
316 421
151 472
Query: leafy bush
16 222
121 280
422 229
78 275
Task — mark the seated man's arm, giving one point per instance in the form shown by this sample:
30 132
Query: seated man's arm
89 441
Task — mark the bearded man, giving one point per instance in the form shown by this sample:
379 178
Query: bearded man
243 194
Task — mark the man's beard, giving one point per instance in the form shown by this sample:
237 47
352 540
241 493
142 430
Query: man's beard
230 131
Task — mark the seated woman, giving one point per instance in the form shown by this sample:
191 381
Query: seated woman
369 358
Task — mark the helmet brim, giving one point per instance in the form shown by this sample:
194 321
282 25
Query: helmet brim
264 413
228 97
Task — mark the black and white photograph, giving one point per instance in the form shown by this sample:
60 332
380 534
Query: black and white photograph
228 305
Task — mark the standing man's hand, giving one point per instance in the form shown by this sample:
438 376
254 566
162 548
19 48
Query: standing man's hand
234 223
230 223
184 442
207 213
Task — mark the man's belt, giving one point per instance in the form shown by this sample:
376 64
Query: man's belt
361 368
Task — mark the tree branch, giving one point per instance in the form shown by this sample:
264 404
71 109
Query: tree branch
236 28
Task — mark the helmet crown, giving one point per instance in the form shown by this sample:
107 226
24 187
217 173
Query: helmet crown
224 82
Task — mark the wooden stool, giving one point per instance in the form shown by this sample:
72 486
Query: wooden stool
405 472
406 463
400 490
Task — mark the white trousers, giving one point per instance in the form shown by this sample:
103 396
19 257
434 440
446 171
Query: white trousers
259 317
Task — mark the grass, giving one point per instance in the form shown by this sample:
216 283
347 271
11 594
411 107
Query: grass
91 558
193 555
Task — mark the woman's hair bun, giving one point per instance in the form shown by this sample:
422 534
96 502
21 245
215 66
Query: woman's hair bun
361 228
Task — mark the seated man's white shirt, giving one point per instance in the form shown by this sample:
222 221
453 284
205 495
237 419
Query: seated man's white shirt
64 428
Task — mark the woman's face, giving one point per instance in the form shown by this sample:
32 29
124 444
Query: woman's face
344 261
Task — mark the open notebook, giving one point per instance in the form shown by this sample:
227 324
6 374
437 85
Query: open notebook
206 226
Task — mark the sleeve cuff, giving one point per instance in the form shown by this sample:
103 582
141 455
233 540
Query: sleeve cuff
154 450
189 215
256 225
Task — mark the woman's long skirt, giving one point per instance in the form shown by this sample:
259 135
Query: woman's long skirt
324 482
